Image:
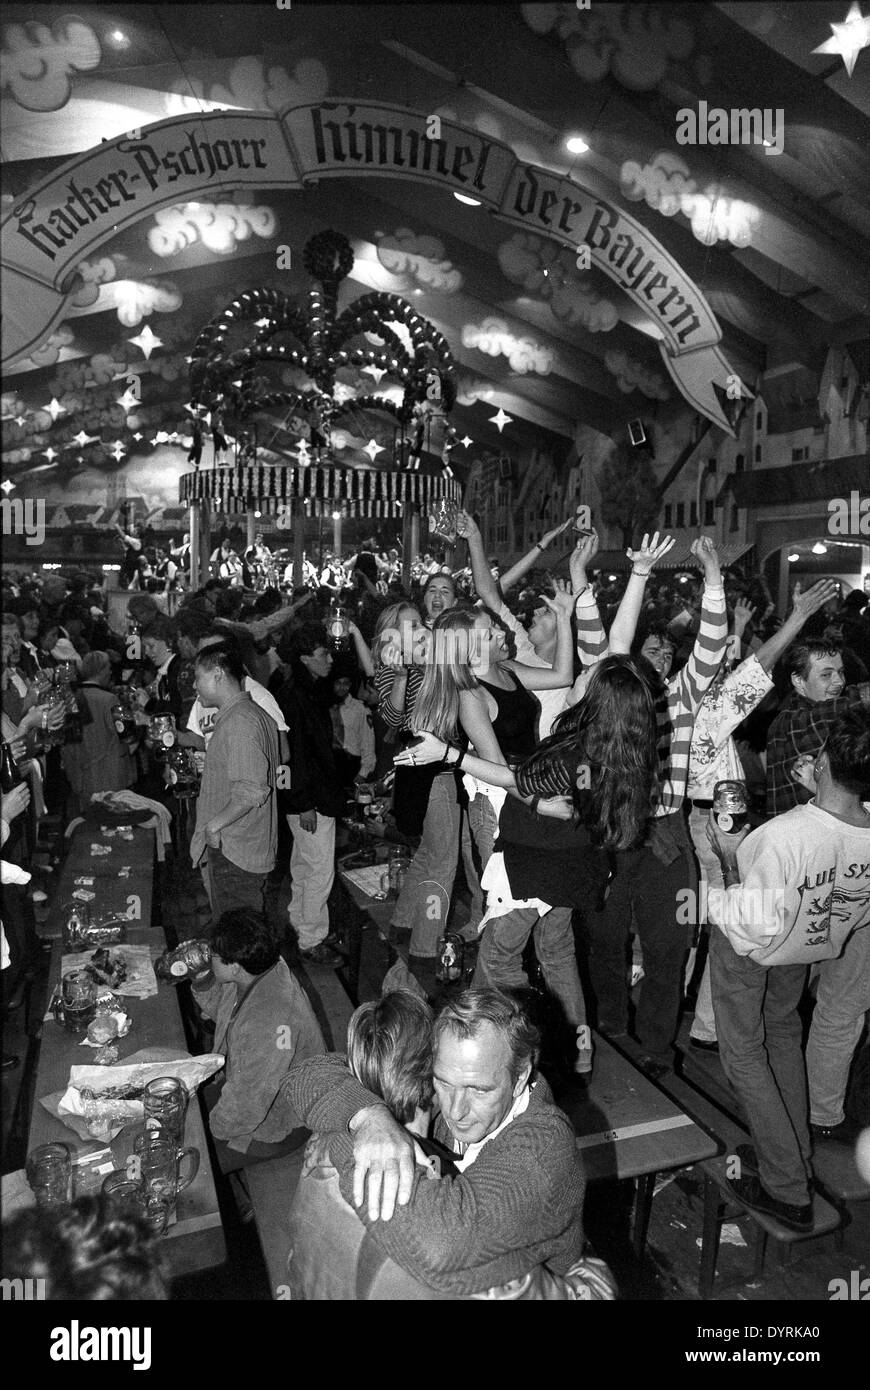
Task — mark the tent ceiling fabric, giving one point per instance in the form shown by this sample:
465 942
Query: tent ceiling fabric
778 244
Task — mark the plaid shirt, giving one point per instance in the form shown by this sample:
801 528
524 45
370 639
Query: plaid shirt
675 714
801 727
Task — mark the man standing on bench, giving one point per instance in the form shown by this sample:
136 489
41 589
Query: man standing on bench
795 891
264 1025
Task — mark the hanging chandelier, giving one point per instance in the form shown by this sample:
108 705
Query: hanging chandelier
264 326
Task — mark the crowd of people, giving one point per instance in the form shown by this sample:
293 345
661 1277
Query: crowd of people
556 740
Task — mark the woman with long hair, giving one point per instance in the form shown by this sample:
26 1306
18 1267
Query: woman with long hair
602 754
426 802
472 687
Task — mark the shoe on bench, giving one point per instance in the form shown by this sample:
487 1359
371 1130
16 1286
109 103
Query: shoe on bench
794 1217
321 954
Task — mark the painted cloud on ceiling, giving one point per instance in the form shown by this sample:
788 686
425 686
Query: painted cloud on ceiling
47 354
472 389
219 226
634 42
94 274
419 260
632 375
252 87
37 63
666 184
525 258
493 337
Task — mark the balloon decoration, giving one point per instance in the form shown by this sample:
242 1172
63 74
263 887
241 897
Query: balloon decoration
318 341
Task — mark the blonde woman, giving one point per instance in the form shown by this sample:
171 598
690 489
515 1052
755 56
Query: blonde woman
426 801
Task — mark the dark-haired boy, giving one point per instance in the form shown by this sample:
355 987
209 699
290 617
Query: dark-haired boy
264 1025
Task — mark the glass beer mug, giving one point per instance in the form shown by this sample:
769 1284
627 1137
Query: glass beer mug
76 1008
159 1166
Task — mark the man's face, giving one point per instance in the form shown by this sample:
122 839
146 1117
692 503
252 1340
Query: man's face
11 642
439 596
223 973
319 663
824 680
473 1082
542 628
207 684
341 688
30 625
156 650
660 654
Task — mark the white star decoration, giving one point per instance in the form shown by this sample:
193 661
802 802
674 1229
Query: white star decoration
848 38
466 441
500 419
82 439
7 487
137 436
161 437
50 454
20 420
128 401
54 408
147 341
373 449
118 453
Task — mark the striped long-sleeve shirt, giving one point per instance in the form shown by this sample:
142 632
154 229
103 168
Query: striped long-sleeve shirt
675 714
384 676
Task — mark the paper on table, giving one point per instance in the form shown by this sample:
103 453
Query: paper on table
114 1096
370 878
141 982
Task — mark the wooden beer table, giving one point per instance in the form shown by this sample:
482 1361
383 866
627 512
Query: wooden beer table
627 1128
196 1240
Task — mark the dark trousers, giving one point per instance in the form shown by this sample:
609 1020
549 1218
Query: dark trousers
760 1047
649 889
229 886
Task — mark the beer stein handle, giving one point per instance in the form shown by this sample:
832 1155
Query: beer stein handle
191 1156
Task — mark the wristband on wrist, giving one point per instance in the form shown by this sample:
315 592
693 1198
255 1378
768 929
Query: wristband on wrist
641 574
534 803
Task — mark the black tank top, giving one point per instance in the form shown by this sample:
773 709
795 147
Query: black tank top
515 723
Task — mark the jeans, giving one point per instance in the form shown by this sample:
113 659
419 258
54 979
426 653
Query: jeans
648 887
760 1047
229 886
499 961
842 1000
703 1024
423 905
312 870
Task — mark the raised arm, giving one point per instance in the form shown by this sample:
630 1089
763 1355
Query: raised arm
484 584
532 557
804 607
709 647
363 654
591 637
642 560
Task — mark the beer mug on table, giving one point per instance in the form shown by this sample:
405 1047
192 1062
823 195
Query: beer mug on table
76 1008
165 1103
49 1173
163 1170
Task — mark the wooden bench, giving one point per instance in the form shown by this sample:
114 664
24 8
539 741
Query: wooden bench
721 1203
271 1187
